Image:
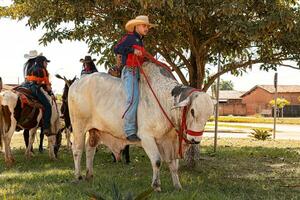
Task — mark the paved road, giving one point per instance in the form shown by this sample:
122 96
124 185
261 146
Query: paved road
283 131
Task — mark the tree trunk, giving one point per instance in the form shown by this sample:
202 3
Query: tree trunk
196 80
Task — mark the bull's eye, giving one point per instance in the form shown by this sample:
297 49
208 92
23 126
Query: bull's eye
193 112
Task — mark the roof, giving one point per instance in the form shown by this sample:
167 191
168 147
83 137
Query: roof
280 89
230 94
9 86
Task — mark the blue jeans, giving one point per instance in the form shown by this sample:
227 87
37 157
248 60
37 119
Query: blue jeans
39 95
130 79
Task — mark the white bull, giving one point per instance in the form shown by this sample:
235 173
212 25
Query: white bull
97 102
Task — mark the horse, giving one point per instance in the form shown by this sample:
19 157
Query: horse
19 111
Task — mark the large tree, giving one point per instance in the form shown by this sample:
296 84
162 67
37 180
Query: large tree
189 36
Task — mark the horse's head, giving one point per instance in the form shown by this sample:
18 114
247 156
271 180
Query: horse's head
64 107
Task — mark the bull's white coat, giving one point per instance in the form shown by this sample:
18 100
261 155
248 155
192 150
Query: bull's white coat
97 101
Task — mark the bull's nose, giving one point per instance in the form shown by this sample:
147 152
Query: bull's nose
194 142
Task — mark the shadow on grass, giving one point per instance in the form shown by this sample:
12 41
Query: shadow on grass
232 173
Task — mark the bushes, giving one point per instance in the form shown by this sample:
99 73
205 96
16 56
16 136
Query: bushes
261 133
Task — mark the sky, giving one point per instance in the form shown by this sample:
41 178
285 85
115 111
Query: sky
16 39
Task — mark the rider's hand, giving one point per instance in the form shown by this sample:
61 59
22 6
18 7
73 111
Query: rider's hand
137 52
53 97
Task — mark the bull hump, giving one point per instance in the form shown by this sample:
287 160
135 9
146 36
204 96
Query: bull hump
181 91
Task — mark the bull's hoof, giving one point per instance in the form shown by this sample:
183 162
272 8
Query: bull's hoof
9 162
29 155
77 180
89 177
156 187
178 187
54 159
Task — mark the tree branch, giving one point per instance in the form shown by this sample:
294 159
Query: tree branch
232 66
173 65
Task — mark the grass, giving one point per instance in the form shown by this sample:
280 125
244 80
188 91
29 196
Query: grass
267 120
241 169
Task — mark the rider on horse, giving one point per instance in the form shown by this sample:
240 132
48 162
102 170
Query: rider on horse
37 77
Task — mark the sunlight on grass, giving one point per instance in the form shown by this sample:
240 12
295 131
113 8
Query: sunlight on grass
241 169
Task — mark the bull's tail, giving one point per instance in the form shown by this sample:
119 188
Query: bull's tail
1 123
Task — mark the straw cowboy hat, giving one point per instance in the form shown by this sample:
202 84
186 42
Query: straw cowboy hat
87 59
32 54
142 19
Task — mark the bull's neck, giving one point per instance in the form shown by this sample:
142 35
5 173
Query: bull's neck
162 89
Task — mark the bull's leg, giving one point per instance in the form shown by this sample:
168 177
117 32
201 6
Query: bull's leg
51 146
90 153
152 151
9 160
68 137
173 166
77 147
32 133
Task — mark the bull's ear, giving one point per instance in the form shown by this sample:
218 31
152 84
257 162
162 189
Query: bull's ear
182 103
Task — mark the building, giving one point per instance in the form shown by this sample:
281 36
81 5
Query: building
256 101
9 86
230 103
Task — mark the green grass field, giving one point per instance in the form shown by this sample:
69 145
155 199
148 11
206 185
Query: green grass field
241 169
258 119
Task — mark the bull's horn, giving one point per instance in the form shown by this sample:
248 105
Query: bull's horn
59 76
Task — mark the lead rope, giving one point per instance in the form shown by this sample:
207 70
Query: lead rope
179 133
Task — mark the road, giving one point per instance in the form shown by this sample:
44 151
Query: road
283 131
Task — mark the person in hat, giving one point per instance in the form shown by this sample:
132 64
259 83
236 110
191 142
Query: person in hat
26 70
88 65
30 60
131 49
36 78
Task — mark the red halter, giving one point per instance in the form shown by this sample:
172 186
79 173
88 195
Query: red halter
183 131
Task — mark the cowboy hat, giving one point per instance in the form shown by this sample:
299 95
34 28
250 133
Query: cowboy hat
142 19
32 54
87 59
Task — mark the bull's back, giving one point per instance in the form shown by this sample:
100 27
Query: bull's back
96 94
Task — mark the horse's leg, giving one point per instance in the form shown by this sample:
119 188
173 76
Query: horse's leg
77 147
126 154
151 149
32 133
90 153
41 146
173 166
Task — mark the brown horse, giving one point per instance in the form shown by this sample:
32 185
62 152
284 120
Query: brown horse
16 115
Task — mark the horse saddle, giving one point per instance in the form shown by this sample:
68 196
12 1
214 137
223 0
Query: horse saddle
27 108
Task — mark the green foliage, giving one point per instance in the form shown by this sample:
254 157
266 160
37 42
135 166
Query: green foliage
226 85
267 120
281 102
190 34
261 133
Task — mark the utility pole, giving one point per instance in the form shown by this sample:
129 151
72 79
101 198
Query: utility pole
275 106
1 85
217 106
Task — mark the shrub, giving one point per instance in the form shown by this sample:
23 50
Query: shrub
261 133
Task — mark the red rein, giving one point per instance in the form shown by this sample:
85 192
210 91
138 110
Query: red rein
183 128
